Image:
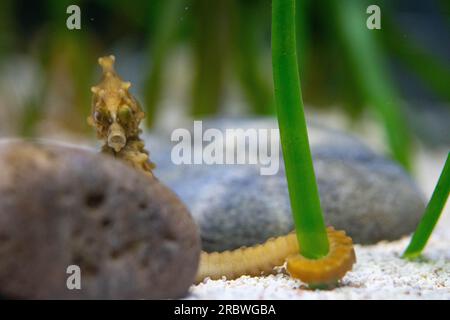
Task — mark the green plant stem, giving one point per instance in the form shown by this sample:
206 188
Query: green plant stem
369 69
70 52
246 32
431 215
303 191
167 25
210 55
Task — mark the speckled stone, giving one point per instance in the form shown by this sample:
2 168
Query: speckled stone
131 236
370 197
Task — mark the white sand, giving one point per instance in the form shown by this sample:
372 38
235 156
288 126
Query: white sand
379 273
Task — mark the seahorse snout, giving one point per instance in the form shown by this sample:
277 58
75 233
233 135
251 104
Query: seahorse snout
116 137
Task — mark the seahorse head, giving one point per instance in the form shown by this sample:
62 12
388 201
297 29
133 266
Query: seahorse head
116 114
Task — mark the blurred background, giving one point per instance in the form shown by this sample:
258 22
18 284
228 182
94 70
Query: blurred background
201 58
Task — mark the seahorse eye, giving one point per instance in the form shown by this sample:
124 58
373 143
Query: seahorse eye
124 114
98 116
101 116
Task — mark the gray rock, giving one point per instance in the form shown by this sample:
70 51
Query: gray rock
361 192
131 237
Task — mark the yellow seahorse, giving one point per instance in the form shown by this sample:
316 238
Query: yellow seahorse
116 115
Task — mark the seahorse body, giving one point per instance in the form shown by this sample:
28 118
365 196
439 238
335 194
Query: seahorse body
116 116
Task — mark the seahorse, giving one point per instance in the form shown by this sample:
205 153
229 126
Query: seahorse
116 116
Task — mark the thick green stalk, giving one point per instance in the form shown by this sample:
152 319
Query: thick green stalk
431 215
303 191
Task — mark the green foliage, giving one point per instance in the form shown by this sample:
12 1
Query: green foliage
367 66
211 53
431 215
341 62
247 32
167 24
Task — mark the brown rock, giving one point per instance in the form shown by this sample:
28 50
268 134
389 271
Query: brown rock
131 236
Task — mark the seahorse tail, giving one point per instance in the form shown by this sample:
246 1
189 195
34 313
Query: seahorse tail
253 261
261 260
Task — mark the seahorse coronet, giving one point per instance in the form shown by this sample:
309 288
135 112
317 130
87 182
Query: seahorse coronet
109 96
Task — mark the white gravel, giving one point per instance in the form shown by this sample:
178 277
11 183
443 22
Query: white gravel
380 273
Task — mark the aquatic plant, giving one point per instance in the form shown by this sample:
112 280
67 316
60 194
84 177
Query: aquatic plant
247 35
333 57
210 41
429 68
317 262
164 34
368 68
432 213
301 179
